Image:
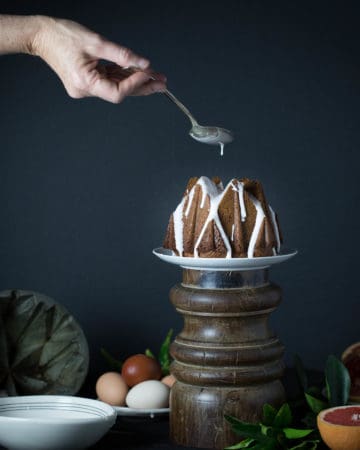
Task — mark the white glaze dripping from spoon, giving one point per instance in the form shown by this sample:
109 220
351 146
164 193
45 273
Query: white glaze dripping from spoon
222 145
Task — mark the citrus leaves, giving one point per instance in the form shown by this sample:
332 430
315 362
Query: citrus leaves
164 357
283 417
42 348
316 405
274 432
248 430
164 354
114 363
337 382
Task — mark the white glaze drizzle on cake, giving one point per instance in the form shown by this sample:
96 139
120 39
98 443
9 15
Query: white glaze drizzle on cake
190 199
216 193
209 188
240 190
276 228
179 227
214 216
260 215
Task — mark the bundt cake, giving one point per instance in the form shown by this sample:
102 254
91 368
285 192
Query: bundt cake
216 222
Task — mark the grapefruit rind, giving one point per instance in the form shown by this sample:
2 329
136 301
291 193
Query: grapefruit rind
351 349
338 437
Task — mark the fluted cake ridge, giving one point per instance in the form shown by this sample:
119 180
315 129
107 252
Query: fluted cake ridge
216 222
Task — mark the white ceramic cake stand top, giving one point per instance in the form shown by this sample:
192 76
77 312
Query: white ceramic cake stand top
223 264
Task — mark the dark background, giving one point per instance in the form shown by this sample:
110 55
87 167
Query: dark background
87 187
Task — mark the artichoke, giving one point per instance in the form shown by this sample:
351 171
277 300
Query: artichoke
43 350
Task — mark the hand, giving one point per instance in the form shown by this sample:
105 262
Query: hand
73 52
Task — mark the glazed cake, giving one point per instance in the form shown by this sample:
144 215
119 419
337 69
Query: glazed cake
216 222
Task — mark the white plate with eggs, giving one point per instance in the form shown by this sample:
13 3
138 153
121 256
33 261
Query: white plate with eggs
149 398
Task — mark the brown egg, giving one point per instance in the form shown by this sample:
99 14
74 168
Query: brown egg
140 368
112 389
169 380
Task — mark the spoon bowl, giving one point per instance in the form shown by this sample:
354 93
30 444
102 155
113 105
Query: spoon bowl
211 135
206 135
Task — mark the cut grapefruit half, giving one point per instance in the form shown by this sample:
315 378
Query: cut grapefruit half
340 427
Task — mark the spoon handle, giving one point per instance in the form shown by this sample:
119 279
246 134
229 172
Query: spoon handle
181 106
170 96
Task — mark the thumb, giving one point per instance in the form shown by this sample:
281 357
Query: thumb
120 55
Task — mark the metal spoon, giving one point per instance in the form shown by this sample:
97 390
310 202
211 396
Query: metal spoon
204 134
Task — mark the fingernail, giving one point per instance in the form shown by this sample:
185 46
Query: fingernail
143 63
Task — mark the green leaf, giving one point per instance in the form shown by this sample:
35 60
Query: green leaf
281 439
149 353
164 354
283 417
310 419
243 444
244 429
307 445
316 405
295 433
315 391
253 445
327 391
113 362
300 373
267 431
270 444
337 381
269 414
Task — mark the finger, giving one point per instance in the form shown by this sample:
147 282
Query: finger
156 75
151 87
111 72
159 77
116 91
120 55
115 71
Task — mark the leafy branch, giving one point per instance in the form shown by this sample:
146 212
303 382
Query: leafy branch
273 432
276 430
164 357
114 363
337 381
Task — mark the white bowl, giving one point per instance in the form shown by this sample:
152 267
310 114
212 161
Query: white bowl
49 422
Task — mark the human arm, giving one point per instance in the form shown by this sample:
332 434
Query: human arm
74 52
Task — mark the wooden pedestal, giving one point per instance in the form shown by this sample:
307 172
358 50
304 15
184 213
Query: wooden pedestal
226 358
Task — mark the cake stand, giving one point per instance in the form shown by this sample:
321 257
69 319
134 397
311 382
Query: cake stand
226 359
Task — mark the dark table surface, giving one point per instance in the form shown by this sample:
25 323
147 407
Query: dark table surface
147 434
140 434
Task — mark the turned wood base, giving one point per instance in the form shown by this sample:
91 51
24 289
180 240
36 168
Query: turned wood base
226 359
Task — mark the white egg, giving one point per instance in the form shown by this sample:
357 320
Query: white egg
149 394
